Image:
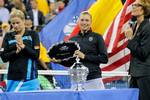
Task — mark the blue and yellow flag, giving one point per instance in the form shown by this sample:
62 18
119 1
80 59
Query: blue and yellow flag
62 24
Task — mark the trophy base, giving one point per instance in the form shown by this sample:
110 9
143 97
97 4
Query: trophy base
78 87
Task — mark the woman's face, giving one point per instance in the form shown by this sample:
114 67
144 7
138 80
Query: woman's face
18 24
85 22
137 9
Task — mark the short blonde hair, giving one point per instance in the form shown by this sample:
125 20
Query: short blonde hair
146 7
146 3
17 13
86 13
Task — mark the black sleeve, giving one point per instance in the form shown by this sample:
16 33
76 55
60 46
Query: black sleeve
141 48
42 18
9 51
101 48
33 52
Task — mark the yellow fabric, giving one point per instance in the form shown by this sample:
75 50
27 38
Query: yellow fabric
43 54
43 6
103 12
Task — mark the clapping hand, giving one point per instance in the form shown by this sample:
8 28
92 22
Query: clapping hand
18 48
129 33
19 41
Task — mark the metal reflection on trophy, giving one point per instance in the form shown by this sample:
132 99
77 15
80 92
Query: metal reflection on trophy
78 73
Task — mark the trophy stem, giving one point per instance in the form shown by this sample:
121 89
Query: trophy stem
77 59
79 87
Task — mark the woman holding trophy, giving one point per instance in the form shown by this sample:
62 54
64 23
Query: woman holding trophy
92 52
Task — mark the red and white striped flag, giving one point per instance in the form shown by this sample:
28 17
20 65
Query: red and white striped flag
116 42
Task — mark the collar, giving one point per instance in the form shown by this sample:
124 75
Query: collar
141 25
85 33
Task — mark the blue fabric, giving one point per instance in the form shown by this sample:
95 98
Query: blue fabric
53 32
62 81
12 41
27 38
29 69
113 94
23 38
26 86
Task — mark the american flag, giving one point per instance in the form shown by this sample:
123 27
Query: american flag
116 42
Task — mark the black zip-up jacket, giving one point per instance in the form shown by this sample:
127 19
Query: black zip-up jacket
93 46
22 66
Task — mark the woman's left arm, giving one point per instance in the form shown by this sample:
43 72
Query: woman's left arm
33 52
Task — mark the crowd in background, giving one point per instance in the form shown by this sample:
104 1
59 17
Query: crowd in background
34 18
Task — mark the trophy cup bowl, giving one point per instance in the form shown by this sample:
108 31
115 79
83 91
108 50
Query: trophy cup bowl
78 73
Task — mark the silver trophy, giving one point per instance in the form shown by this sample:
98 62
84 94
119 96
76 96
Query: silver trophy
78 73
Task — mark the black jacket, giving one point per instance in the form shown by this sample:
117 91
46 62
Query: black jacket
22 66
93 46
140 51
41 18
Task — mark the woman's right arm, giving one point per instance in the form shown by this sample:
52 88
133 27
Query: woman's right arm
9 51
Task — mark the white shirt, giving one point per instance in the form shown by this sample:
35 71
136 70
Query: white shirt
4 14
35 18
52 1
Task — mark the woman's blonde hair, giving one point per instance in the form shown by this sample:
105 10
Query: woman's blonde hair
146 3
146 7
17 13
86 13
18 4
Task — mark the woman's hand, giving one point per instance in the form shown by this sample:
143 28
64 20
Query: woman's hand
129 33
18 49
55 60
19 41
79 54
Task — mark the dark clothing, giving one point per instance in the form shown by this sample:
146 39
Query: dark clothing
22 66
143 84
140 60
93 46
27 5
140 51
41 18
